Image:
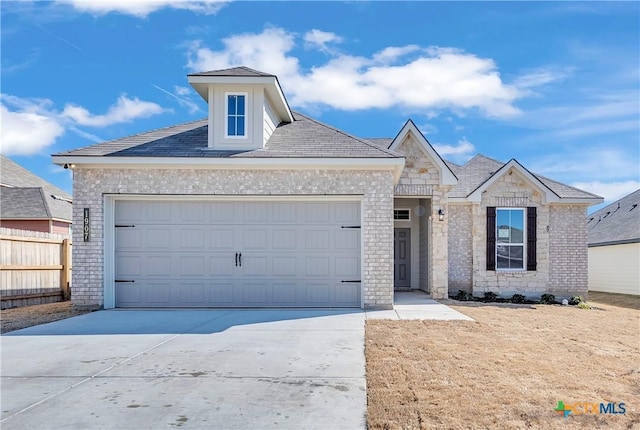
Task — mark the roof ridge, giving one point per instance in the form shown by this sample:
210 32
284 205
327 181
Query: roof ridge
369 144
45 202
135 135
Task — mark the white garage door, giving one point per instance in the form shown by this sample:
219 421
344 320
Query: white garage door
237 254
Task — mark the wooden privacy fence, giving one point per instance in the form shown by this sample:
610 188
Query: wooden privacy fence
35 268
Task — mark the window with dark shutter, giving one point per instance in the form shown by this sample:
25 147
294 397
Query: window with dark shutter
531 238
491 238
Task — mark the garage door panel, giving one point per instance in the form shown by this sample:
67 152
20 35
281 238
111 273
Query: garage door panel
284 213
156 238
130 265
317 240
317 266
222 213
221 265
128 238
192 239
158 265
184 255
255 293
347 293
348 213
318 293
254 239
221 239
192 294
192 265
285 293
284 239
255 265
284 266
158 212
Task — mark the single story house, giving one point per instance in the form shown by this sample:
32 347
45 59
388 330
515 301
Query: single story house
614 246
261 206
28 202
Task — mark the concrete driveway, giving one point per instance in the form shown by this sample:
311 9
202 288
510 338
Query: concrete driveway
155 369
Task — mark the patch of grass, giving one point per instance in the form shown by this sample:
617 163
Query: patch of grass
506 370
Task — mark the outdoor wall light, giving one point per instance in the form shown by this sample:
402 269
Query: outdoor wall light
440 214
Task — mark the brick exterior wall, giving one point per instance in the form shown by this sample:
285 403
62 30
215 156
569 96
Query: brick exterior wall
460 248
419 170
376 189
568 272
561 245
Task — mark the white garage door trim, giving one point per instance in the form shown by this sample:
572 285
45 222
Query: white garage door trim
109 226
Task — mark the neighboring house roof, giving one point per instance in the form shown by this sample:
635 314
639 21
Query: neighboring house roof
302 138
25 195
616 223
23 203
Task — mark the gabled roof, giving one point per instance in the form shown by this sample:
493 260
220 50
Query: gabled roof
550 195
447 177
27 196
303 138
234 71
480 170
616 223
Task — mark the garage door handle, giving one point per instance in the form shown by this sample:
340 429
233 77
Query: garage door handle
236 259
124 280
356 281
240 259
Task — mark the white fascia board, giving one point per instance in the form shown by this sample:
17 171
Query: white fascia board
447 177
550 195
394 164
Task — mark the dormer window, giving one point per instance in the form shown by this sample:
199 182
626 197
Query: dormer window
236 107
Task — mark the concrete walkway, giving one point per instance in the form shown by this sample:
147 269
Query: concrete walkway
200 369
417 305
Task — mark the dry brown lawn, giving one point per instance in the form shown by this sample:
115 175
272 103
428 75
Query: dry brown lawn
508 369
27 316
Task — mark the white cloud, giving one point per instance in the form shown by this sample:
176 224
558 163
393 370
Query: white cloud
459 153
28 126
605 164
431 78
318 39
181 91
611 191
142 8
541 77
125 110
25 132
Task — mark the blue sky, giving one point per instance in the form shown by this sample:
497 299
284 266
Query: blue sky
555 85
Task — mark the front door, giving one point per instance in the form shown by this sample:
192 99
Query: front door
402 258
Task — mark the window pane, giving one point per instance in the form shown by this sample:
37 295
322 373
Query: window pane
509 257
517 226
240 110
231 105
231 126
240 126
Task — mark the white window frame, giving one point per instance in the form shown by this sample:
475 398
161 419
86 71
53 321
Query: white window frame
523 244
226 114
401 209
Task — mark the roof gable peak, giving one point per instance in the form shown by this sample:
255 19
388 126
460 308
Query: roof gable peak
447 177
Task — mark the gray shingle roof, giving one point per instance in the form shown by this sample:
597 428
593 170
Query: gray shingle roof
302 138
21 194
616 223
23 203
234 71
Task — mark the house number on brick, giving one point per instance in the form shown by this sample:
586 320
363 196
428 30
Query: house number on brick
85 227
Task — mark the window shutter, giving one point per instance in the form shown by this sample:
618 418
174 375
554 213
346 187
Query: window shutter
531 238
491 238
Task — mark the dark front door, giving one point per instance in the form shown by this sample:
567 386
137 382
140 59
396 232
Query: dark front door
402 257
